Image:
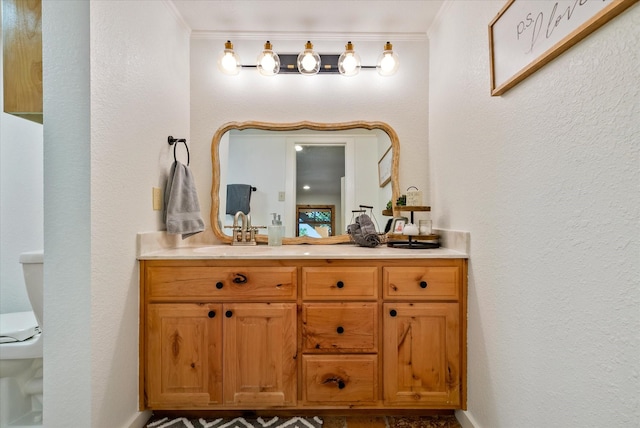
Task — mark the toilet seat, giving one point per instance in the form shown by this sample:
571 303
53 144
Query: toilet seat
18 326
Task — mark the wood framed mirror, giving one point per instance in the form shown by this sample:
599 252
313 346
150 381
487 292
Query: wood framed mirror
263 155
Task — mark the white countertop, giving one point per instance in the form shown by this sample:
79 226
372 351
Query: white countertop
161 246
299 252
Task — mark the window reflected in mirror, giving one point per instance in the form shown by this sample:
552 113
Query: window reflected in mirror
316 221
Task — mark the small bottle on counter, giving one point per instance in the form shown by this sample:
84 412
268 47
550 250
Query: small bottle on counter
275 231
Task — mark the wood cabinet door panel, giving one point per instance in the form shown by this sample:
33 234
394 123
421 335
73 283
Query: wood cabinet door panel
421 283
184 355
260 354
222 283
348 379
340 326
421 354
340 283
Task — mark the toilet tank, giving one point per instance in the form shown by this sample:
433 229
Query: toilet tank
32 269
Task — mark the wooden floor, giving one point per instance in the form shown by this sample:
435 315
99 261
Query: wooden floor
448 421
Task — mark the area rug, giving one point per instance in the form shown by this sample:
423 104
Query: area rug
240 422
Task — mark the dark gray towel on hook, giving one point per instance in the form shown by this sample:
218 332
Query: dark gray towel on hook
182 210
238 198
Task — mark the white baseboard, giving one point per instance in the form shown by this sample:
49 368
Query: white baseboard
466 420
139 420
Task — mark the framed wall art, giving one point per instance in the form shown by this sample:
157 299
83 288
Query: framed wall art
528 34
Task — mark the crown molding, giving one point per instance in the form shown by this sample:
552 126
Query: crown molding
177 15
286 35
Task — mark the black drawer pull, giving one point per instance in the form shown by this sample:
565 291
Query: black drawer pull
228 314
341 384
393 312
219 285
240 278
211 314
423 284
340 284
340 330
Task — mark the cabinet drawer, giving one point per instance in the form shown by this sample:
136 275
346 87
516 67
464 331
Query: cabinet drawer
421 283
340 326
340 283
349 379
221 283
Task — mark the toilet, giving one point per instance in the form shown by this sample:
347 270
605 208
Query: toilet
21 353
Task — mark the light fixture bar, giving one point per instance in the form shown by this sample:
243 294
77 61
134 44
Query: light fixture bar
288 64
329 63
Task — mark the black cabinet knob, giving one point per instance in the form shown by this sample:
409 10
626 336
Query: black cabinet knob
341 385
340 330
423 284
393 312
228 314
219 285
211 314
340 284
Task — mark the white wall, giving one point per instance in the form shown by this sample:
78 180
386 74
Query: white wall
67 216
400 101
116 85
21 218
546 180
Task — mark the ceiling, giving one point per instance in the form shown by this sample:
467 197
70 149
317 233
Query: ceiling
320 167
351 17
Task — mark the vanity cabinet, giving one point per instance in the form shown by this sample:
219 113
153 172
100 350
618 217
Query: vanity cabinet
316 334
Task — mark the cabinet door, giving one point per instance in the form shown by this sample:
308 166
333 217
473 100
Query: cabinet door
260 354
422 354
184 355
22 57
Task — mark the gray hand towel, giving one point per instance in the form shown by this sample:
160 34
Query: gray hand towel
238 198
182 210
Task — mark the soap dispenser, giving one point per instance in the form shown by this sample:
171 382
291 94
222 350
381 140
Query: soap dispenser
276 230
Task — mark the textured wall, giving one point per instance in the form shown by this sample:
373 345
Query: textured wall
21 215
400 100
21 221
116 85
67 216
546 180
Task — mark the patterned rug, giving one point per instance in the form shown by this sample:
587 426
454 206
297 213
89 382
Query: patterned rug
275 422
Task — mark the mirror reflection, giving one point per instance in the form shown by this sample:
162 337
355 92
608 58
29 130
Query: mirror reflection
308 175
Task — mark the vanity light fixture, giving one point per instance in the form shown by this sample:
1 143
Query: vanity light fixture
228 60
268 61
387 61
349 61
308 60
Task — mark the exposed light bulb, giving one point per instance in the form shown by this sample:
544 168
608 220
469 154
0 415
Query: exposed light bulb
268 61
388 62
349 61
228 60
308 60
